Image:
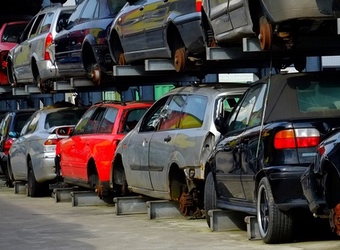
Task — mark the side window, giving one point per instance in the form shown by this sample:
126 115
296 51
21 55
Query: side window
25 33
132 119
73 20
151 119
46 24
108 121
194 111
31 125
82 123
36 25
256 115
88 11
93 124
171 114
240 117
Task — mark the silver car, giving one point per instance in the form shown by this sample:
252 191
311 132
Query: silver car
278 22
31 156
165 155
32 60
151 29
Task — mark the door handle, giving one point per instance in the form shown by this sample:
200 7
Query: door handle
167 139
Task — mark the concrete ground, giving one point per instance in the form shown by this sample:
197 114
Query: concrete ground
41 223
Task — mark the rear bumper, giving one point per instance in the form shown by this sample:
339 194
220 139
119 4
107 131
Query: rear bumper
44 167
286 186
47 70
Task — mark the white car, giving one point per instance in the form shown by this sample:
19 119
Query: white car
31 156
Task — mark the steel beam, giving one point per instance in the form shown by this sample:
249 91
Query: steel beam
131 205
159 65
163 209
223 220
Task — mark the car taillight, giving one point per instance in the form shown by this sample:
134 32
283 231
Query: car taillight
7 146
51 142
48 42
198 5
297 138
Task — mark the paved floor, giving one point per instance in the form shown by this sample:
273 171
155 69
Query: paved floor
40 223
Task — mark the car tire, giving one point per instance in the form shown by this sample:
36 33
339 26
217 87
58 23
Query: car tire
209 196
275 226
34 187
9 175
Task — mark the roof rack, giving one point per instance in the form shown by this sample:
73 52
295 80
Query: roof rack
51 5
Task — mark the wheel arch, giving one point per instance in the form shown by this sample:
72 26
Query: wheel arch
173 38
331 182
177 180
114 42
91 168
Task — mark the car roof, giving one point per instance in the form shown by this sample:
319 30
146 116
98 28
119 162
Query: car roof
122 104
210 89
282 100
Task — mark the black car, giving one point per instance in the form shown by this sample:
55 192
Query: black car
13 121
321 181
269 141
81 47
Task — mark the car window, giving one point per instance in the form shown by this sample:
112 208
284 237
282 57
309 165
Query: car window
20 121
240 117
108 120
133 117
5 123
35 28
111 7
75 15
12 32
88 11
82 123
60 118
27 30
153 115
31 125
193 112
47 22
256 114
93 124
171 114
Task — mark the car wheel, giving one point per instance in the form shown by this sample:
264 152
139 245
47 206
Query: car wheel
209 196
34 187
180 59
275 226
266 33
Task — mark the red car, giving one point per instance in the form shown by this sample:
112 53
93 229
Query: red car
85 158
9 34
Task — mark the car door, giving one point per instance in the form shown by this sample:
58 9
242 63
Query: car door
70 149
163 143
136 159
250 146
20 147
229 161
230 16
20 53
154 17
131 26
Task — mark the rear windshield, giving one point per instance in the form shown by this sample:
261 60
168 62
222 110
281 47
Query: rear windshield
13 32
64 117
20 121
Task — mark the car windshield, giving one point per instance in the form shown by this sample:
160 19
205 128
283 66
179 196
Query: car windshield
12 32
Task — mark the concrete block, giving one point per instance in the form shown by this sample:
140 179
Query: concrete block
20 187
85 198
226 220
131 205
253 232
62 194
163 209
